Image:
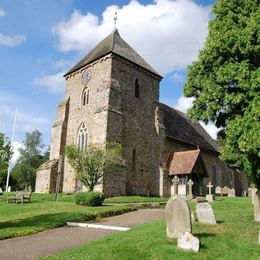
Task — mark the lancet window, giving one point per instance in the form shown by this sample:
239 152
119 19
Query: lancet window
82 138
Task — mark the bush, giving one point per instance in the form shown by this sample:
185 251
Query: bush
89 198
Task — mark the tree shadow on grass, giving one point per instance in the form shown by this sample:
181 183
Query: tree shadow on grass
45 221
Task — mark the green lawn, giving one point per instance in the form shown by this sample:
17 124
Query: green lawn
135 199
234 237
44 213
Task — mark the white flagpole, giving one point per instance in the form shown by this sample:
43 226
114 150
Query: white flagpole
12 145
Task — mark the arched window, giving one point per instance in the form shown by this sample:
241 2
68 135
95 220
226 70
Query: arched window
137 88
134 160
82 138
85 97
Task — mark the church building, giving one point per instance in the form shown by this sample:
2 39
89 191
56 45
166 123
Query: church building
112 94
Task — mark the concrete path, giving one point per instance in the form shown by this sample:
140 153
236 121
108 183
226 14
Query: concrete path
55 240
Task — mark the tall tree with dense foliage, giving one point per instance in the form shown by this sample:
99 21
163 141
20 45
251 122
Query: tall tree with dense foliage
5 157
225 81
31 157
92 162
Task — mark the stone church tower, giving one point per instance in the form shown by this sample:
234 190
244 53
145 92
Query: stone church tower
112 94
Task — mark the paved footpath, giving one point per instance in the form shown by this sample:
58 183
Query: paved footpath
56 240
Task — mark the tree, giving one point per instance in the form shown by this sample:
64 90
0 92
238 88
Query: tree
5 157
225 82
91 163
24 172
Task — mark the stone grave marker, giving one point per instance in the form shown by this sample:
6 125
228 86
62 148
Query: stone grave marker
257 206
244 193
218 190
205 214
182 190
253 192
1 191
188 242
190 184
249 192
178 219
231 192
209 197
224 191
174 187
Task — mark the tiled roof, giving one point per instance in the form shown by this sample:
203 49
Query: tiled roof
182 162
179 126
113 43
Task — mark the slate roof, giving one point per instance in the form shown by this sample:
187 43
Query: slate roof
182 162
113 43
179 126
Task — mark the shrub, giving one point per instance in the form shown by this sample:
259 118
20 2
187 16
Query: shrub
89 198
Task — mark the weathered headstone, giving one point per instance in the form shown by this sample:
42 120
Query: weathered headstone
178 217
218 190
209 197
188 242
182 190
190 184
224 191
231 192
257 206
249 192
205 214
253 192
174 187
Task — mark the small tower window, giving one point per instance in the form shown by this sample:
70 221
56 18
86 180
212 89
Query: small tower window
85 97
134 160
137 88
82 137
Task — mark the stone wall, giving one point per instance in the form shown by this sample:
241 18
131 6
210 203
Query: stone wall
46 177
131 122
93 115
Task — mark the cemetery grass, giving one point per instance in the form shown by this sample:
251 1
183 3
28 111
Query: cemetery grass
44 213
234 237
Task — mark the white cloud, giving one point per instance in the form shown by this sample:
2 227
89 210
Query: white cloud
16 154
166 33
184 103
2 12
54 83
11 41
211 129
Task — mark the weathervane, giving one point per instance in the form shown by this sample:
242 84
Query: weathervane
115 19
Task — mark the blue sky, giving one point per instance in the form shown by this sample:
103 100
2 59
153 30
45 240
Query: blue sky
42 39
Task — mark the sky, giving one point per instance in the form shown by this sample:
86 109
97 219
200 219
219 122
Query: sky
40 40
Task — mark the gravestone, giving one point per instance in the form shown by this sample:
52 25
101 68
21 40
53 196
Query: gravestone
257 206
224 191
209 197
174 187
231 192
188 242
1 191
253 192
205 214
182 190
190 184
178 219
249 192
218 190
